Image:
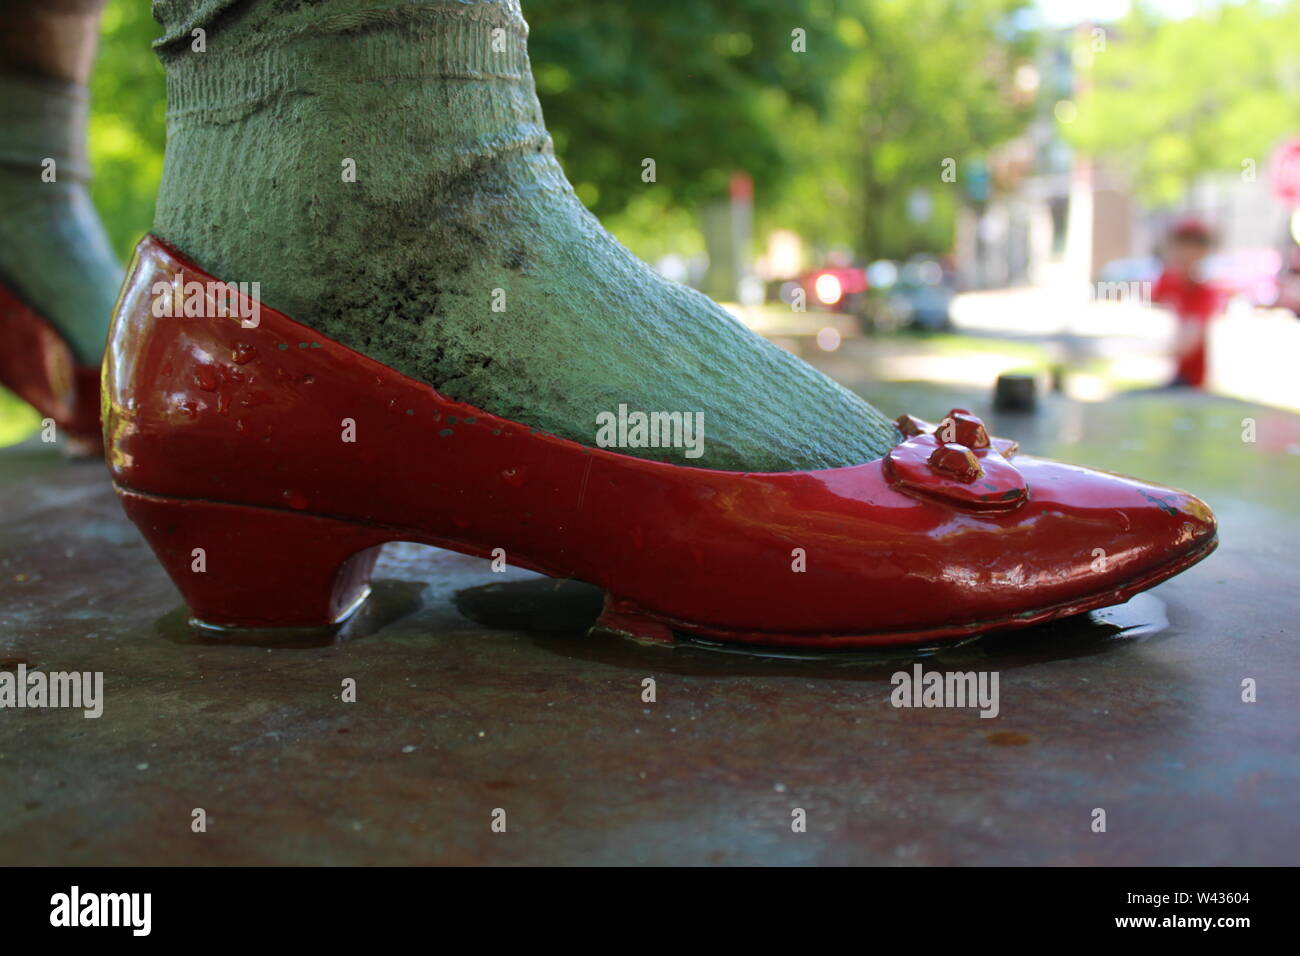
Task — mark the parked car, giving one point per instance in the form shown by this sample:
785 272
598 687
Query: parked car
916 295
836 288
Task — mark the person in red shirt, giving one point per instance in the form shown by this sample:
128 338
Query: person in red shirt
1194 301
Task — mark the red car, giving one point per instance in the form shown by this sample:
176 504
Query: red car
837 289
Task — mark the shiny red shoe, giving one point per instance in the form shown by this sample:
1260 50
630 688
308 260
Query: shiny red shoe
266 466
36 364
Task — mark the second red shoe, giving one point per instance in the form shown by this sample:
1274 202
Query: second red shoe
37 364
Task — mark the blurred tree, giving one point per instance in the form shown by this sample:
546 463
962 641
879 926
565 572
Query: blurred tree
708 90
933 84
701 90
1169 100
939 87
127 122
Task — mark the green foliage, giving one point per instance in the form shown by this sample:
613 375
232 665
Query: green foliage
1171 100
127 122
701 89
932 83
18 420
835 137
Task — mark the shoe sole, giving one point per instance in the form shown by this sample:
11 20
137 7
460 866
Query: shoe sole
244 567
628 621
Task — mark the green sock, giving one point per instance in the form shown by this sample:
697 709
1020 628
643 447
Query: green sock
54 253
459 255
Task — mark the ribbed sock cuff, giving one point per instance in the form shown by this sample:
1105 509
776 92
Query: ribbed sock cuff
413 41
44 119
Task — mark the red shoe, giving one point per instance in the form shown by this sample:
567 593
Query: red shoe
37 365
227 448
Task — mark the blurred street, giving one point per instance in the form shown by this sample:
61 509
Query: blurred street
1103 348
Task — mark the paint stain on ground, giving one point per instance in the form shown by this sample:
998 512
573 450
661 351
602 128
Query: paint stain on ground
1008 738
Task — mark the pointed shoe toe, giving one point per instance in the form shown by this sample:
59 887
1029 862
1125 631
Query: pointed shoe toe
1134 531
266 465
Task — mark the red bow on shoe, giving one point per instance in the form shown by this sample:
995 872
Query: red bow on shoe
956 461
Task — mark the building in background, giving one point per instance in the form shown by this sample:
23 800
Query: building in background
1054 215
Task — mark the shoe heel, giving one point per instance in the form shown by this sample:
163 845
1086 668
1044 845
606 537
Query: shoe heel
244 567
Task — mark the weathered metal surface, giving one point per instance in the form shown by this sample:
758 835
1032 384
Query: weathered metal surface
518 709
